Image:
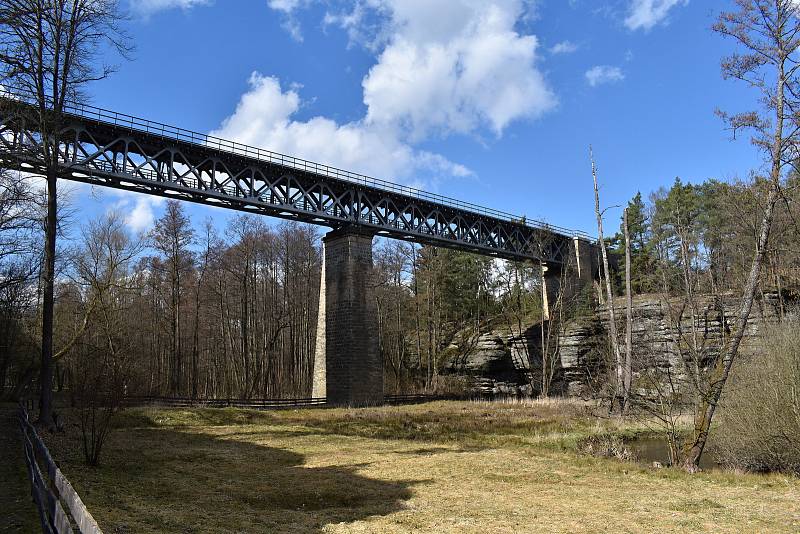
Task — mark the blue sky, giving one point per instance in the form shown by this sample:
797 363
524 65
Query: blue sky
490 101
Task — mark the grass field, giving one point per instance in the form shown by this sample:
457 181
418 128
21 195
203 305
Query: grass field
437 467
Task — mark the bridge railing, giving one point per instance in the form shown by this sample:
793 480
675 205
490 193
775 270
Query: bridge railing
138 124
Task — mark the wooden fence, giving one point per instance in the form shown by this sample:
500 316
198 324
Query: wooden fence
266 404
188 402
49 492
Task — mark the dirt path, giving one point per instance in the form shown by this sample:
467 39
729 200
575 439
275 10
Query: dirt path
18 511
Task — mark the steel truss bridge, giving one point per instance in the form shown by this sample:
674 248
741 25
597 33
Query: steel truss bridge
106 148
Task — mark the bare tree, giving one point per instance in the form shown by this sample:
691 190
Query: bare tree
554 326
172 235
19 255
628 371
209 242
769 33
18 229
516 305
103 357
50 50
392 295
619 393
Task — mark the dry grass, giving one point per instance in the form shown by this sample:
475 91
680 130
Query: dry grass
438 467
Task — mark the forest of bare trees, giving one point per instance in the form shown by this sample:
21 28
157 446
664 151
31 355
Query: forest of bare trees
233 312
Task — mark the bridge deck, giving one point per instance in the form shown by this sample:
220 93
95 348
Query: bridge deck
111 149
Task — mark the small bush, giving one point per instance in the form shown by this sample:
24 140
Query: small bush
760 414
606 446
98 389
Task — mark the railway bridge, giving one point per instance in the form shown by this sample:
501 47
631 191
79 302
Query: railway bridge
111 149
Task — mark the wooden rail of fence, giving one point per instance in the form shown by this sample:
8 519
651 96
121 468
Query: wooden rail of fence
417 398
187 402
264 404
49 492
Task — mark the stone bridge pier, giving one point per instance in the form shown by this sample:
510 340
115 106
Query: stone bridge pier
348 369
567 280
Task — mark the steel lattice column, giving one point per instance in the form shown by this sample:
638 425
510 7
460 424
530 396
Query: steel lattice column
350 357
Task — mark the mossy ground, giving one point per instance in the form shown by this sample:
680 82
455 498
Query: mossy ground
436 467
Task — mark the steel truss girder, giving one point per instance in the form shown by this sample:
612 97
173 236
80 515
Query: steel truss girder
104 154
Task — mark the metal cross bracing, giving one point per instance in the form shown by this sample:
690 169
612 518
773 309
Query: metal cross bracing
102 147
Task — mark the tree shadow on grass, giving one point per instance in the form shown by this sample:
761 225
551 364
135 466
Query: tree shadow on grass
169 480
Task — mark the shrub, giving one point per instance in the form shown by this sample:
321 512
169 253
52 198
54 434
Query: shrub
760 413
99 388
606 446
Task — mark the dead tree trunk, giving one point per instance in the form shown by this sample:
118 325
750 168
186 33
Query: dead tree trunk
626 386
612 319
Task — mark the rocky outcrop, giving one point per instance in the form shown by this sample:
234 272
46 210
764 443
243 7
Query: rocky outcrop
489 355
581 354
506 365
664 337
493 362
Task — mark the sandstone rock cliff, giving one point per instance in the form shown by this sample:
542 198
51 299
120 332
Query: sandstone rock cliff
500 364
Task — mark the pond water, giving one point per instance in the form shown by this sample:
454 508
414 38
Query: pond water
649 449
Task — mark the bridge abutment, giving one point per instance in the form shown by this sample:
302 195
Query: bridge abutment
348 369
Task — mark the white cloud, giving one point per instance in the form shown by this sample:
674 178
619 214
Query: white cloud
601 74
136 209
564 47
441 67
264 118
141 218
645 14
446 66
292 27
290 24
365 25
148 7
454 67
287 6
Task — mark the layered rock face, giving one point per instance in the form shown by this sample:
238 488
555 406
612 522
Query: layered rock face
663 333
497 363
